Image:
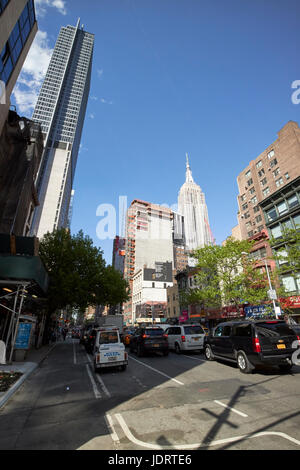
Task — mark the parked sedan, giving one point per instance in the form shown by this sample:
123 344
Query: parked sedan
252 343
149 339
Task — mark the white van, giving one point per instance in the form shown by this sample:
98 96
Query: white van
186 338
109 351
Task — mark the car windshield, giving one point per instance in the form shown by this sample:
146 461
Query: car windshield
272 329
193 330
108 337
154 332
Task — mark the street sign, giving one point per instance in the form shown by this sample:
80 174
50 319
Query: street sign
272 294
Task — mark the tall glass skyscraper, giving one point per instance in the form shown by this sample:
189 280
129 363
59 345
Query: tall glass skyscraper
61 109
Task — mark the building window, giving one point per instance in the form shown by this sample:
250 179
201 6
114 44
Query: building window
243 197
276 231
279 182
250 234
271 154
252 190
258 218
282 208
255 209
248 174
259 164
261 173
276 172
254 200
266 191
287 176
263 181
245 206
273 163
293 201
250 181
271 214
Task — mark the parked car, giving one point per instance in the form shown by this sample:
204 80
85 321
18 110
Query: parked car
109 351
186 338
252 343
127 334
149 339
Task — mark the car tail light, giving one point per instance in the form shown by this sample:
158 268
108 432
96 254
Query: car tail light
165 335
91 337
256 345
146 336
126 356
183 339
98 358
298 338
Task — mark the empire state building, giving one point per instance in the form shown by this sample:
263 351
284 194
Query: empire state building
192 205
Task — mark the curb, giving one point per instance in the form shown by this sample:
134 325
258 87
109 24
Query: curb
32 367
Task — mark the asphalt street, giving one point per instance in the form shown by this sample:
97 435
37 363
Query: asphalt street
179 402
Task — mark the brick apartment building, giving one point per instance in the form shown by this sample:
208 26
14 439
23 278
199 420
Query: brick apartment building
272 169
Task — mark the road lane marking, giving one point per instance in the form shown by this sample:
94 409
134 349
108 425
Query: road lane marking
232 409
158 371
74 352
94 385
103 386
111 428
198 445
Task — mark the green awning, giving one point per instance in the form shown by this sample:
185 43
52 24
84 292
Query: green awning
24 268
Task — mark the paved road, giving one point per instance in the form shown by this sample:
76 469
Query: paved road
175 402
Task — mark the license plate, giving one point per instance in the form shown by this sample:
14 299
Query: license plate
156 345
280 346
196 339
112 358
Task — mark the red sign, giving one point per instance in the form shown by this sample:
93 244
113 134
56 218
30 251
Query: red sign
292 302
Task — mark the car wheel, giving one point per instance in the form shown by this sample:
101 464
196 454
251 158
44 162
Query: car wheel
139 351
243 363
208 353
177 348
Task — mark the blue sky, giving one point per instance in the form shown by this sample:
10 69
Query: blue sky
210 78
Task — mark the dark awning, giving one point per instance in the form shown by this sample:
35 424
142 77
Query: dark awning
24 268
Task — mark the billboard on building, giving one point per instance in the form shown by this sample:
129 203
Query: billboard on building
161 273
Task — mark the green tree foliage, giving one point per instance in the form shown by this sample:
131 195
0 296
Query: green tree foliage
78 274
227 275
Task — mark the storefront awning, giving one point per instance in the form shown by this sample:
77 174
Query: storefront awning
24 269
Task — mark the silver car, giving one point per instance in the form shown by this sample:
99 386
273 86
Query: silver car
186 338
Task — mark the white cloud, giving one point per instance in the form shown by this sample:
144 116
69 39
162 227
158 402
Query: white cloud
99 73
92 116
42 5
33 72
104 101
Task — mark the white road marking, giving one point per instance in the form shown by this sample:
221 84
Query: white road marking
94 385
158 371
232 409
102 384
74 352
110 425
131 437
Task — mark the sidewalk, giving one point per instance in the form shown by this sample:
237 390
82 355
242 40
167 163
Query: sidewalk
34 357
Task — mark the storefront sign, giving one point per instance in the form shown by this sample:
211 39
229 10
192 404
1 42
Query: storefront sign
292 302
23 337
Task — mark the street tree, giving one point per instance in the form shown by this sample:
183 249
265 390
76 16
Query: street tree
78 273
227 275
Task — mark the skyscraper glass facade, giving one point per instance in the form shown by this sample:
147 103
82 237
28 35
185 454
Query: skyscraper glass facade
60 110
12 50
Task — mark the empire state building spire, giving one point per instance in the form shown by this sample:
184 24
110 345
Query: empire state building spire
192 205
189 177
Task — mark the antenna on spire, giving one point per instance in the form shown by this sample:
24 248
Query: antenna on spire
187 160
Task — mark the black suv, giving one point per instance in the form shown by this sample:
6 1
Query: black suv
252 343
149 339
